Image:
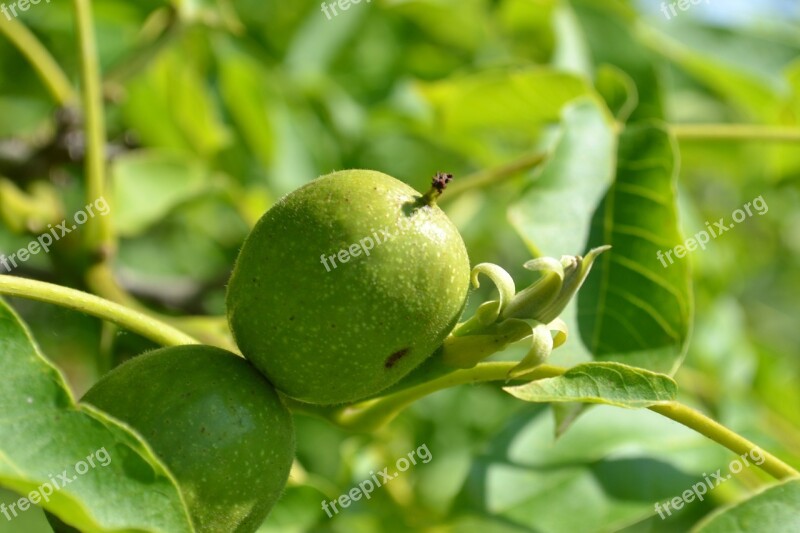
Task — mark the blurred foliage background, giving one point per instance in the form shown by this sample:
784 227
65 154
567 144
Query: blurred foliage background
217 108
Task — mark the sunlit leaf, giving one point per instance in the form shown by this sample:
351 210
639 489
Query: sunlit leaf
523 98
605 383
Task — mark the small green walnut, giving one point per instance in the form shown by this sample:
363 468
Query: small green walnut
346 285
214 421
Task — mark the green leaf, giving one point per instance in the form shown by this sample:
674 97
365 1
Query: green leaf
774 509
605 383
502 98
635 308
170 106
44 435
554 213
149 184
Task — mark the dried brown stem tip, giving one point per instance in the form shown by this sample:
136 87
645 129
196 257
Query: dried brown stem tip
438 185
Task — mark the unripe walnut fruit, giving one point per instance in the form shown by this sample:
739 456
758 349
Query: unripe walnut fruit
214 421
346 285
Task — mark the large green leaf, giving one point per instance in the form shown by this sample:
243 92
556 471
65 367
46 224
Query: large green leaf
46 441
776 509
605 383
635 308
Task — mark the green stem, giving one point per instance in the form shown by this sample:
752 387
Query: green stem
724 132
707 389
373 414
718 433
208 329
492 176
99 234
139 323
43 63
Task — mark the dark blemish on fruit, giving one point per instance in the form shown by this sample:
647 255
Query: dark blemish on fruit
291 318
396 356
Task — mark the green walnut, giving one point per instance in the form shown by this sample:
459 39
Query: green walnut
214 421
346 285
